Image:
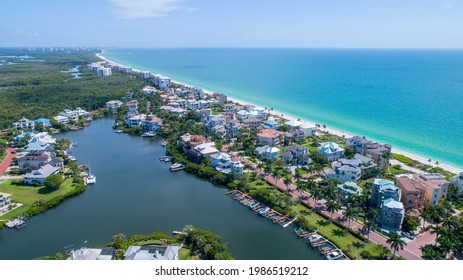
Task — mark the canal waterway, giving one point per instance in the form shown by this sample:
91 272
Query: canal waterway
136 194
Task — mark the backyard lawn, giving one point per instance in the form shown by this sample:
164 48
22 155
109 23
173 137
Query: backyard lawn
27 195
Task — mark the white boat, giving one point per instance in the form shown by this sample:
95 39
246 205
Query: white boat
118 131
149 134
177 167
72 158
336 254
91 179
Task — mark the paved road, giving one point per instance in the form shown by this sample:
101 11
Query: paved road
8 159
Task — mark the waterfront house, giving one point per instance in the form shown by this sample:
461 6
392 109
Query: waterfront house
102 72
61 119
198 152
309 130
136 120
38 146
296 154
359 144
345 170
162 82
32 161
270 136
5 200
229 108
221 98
331 151
152 252
223 162
56 162
379 153
92 254
71 115
268 152
132 106
43 137
349 189
458 181
391 214
145 74
24 123
151 123
436 187
189 141
295 134
292 124
39 176
382 190
368 166
45 122
114 105
413 193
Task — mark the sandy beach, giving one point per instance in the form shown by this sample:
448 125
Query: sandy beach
421 159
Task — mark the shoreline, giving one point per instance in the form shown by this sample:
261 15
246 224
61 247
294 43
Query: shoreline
419 158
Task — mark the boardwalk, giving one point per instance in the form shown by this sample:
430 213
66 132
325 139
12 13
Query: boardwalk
7 161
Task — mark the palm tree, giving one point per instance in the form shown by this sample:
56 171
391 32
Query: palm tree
351 213
372 214
315 193
300 187
297 175
287 181
267 169
369 225
331 190
332 206
425 217
396 243
277 175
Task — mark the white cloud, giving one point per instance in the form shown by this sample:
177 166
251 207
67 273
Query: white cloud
130 9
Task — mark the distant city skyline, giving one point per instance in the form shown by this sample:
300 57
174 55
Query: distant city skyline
210 23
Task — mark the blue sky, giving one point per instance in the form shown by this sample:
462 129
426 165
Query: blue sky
233 23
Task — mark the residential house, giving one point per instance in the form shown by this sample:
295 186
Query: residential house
189 141
436 187
56 162
152 252
268 152
458 181
70 114
331 151
221 98
45 122
205 112
145 74
379 153
232 127
309 130
114 105
61 119
292 124
296 154
38 146
391 214
270 136
252 123
151 123
345 170
92 254
39 176
32 161
136 120
223 162
359 144
368 166
382 190
413 193
271 123
24 123
5 200
132 106
214 120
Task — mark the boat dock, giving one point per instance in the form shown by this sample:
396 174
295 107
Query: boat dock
320 243
17 223
177 167
267 212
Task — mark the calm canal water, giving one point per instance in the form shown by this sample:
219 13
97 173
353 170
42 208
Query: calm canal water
136 194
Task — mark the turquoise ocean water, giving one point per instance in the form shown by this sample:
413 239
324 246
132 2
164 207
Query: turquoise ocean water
412 99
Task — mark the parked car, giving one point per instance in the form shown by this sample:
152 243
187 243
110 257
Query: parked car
408 235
